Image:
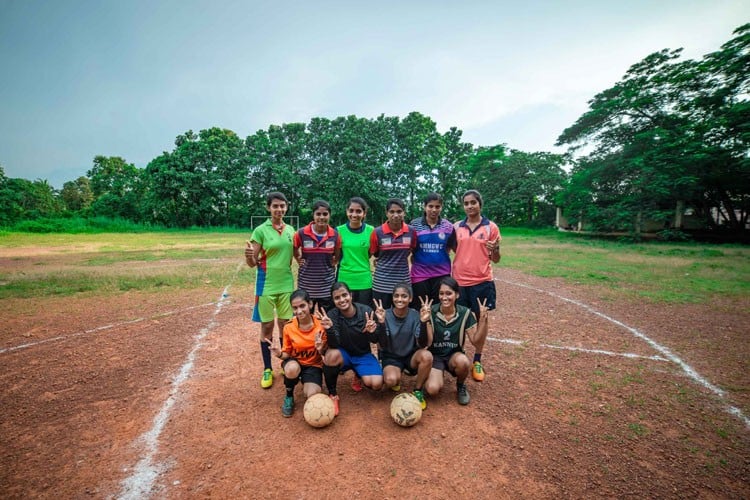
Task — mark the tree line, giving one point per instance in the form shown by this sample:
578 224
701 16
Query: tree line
670 138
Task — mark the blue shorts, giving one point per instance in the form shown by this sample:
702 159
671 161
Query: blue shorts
364 365
468 295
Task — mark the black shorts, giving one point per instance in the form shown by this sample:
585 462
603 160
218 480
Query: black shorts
427 288
325 303
308 374
442 363
363 297
468 295
402 363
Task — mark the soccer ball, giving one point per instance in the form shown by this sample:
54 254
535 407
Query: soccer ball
318 410
406 409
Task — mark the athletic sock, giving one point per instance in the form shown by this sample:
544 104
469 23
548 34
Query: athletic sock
265 351
331 375
289 384
478 357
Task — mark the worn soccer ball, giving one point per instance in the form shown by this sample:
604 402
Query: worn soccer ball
318 410
406 409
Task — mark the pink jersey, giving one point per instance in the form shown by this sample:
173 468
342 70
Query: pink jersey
472 264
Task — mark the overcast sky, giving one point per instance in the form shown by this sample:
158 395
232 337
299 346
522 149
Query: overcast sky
124 78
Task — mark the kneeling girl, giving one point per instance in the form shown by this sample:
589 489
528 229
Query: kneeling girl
451 324
406 335
302 358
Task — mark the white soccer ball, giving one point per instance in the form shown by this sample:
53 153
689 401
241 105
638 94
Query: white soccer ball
318 410
406 409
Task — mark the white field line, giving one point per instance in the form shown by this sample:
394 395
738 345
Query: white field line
99 329
581 349
140 484
687 369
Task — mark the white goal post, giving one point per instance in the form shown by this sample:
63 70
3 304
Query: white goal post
257 220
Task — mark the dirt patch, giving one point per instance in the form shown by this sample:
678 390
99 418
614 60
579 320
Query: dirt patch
574 405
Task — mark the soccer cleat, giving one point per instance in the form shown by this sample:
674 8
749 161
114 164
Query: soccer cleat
420 396
356 383
267 380
396 388
288 407
477 372
463 394
335 400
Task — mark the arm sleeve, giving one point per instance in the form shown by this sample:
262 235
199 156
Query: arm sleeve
451 245
380 334
332 337
286 334
374 243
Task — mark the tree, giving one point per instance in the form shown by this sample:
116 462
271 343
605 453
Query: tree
669 134
117 188
77 195
518 188
203 182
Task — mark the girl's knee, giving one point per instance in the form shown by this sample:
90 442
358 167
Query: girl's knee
432 388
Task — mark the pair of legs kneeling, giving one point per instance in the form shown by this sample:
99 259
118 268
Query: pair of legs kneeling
457 364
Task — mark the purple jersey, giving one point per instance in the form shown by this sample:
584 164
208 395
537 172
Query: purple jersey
431 258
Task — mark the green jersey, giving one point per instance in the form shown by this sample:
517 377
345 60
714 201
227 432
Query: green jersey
448 336
354 268
274 273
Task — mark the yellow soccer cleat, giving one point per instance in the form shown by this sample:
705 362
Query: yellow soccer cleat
267 380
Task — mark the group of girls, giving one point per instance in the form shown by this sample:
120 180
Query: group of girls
416 306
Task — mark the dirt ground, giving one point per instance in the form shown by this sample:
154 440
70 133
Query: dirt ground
158 395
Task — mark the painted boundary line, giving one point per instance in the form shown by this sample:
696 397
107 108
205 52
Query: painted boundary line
140 483
101 328
581 349
687 369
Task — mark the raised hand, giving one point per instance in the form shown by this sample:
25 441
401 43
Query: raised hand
483 310
249 250
379 311
319 344
320 313
370 324
425 312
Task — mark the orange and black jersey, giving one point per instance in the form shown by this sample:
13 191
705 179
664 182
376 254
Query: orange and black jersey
300 344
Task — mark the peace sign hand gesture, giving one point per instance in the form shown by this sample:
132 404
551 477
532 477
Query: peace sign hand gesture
425 312
319 344
379 311
320 313
483 310
370 325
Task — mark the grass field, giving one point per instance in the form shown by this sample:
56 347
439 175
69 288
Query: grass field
658 272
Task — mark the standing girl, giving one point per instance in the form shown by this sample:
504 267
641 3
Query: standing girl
317 248
354 266
431 260
477 248
270 249
301 357
392 244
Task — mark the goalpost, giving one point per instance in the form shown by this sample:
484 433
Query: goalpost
257 220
